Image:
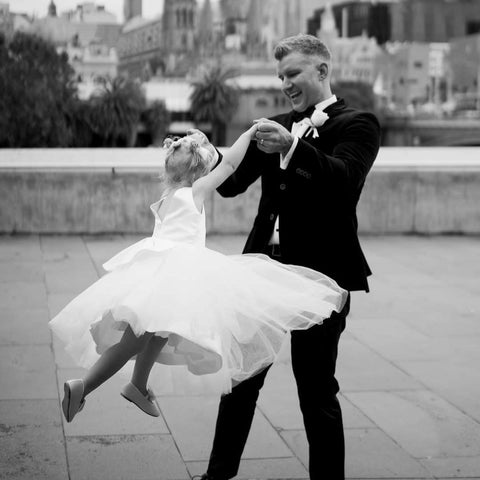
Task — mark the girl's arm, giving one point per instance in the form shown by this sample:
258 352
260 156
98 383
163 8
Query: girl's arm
230 161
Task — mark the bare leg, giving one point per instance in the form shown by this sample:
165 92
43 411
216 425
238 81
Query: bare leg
113 359
145 361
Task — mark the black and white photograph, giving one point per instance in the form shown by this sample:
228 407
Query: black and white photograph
240 239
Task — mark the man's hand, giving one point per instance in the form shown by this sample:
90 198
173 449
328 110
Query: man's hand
272 137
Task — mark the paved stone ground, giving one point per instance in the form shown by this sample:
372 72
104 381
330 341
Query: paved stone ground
408 366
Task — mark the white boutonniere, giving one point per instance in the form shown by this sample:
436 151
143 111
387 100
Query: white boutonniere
317 119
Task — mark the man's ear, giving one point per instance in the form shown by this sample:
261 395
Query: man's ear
322 71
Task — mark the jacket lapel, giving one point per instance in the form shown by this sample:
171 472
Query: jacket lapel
332 111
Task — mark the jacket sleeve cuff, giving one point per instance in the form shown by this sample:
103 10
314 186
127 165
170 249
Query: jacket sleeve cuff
285 160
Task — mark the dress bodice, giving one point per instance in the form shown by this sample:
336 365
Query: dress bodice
182 222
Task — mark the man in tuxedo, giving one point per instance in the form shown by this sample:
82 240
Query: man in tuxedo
312 173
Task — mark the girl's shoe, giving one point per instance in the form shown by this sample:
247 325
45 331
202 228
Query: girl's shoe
147 403
73 401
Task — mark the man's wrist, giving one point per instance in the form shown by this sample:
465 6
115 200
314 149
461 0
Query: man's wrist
288 145
285 159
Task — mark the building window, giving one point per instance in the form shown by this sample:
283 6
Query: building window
418 64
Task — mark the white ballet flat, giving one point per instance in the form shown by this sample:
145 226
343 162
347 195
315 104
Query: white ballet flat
147 403
73 401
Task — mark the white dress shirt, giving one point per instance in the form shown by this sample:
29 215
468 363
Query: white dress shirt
285 160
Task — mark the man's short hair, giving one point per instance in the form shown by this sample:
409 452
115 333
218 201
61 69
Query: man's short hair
302 43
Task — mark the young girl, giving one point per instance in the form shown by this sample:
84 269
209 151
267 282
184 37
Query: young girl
169 299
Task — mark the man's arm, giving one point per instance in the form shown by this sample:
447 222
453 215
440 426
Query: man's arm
351 158
247 173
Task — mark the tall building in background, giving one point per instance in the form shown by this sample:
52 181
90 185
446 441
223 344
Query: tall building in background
434 20
131 9
354 19
179 21
403 20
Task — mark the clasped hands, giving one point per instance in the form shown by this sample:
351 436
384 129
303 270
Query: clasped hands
271 137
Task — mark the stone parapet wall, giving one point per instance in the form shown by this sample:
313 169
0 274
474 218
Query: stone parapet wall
409 190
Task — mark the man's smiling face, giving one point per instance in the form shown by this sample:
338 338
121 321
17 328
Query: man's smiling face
301 80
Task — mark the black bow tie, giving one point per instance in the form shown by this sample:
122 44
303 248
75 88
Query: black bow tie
299 116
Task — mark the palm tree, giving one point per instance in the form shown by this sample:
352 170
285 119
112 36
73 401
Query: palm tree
117 105
214 100
156 119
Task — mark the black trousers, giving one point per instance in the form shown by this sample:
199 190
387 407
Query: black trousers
314 356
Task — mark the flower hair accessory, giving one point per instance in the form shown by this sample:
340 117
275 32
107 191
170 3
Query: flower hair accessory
318 118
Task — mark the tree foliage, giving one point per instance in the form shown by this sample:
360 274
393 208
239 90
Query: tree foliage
214 100
156 119
116 107
37 90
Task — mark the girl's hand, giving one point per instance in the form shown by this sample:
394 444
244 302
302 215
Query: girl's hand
272 137
252 131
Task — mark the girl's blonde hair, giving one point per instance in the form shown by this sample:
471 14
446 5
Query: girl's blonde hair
186 161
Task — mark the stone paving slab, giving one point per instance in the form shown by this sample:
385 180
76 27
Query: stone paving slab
57 301
31 440
456 381
21 271
361 368
441 429
139 457
370 453
20 248
22 294
271 469
27 372
453 467
278 401
24 326
192 422
408 370
69 277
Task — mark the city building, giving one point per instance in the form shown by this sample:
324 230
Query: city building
353 19
132 9
89 12
355 59
403 20
11 22
409 73
160 46
140 48
464 60
88 34
434 20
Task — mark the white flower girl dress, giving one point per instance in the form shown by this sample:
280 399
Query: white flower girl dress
225 316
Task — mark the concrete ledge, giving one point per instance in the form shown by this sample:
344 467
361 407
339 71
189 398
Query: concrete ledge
409 190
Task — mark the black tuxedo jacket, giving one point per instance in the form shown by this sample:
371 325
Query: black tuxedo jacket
316 196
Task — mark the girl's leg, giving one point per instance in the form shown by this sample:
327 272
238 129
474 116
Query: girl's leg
114 358
145 361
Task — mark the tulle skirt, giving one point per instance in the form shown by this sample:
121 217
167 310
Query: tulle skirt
225 316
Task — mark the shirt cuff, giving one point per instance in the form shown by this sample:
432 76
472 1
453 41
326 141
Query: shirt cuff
285 160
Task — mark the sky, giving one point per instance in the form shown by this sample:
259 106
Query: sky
151 8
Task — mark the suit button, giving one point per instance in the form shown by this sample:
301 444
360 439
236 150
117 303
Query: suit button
272 216
283 186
